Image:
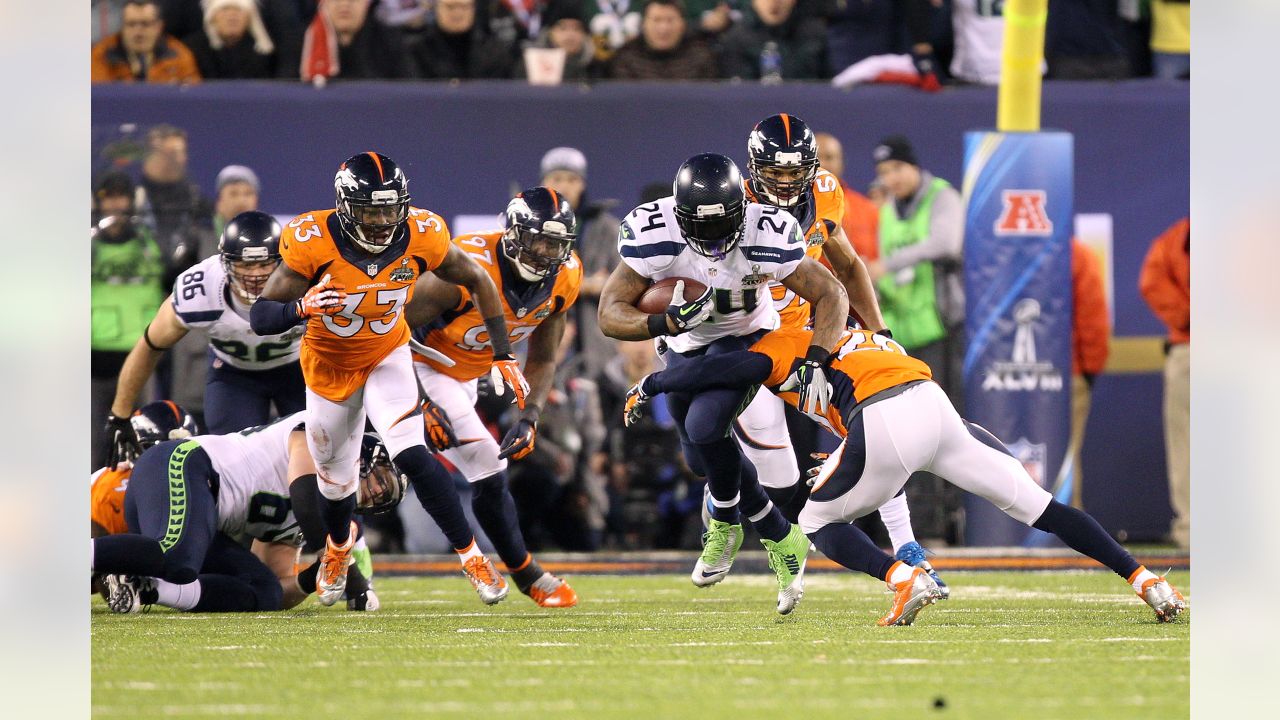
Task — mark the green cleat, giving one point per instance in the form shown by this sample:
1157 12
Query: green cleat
786 559
363 559
720 545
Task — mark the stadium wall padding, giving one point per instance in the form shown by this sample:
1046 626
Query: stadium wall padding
467 147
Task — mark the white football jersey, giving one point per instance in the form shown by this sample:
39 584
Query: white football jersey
650 242
253 480
202 300
979 34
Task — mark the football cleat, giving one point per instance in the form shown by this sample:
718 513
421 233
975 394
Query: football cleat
1163 598
331 581
550 591
486 579
787 560
130 593
707 507
910 597
720 545
366 601
912 554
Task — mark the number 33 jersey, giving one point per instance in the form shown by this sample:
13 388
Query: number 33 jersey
772 247
339 351
202 300
460 332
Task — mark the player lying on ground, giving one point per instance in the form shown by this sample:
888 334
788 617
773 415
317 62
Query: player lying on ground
537 273
354 355
186 500
708 233
248 372
895 421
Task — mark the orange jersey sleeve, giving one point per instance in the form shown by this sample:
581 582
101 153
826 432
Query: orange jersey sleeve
783 346
874 363
106 499
339 351
462 335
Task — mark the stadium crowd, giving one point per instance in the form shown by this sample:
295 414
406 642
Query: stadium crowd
926 43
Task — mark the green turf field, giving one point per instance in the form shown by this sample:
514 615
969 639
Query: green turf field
1007 645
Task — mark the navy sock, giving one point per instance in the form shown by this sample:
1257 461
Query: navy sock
434 487
128 555
772 526
304 498
307 578
337 516
1084 535
495 509
847 545
226 593
722 461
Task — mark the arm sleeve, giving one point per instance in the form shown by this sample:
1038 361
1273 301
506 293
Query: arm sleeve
946 235
271 317
709 372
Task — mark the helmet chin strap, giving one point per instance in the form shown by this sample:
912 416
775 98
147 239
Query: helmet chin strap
368 246
527 275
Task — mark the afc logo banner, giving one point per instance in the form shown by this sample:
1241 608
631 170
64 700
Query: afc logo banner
1024 214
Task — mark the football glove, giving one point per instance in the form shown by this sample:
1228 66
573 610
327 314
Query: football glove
506 374
120 442
811 475
810 381
325 298
686 315
439 429
633 408
519 440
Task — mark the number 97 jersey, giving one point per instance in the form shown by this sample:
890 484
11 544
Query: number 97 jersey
339 351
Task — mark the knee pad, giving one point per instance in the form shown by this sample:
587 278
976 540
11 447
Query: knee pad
337 482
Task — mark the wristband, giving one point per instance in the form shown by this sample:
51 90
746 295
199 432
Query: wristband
531 413
498 340
657 324
817 354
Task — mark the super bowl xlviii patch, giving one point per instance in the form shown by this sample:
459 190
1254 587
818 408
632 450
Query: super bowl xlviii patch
543 313
755 278
404 273
815 238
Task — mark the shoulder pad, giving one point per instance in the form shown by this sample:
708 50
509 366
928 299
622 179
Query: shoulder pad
197 293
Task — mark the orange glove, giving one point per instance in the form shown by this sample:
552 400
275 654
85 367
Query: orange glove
506 374
439 429
325 298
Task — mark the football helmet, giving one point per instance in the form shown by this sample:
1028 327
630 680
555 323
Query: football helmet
539 233
382 485
710 204
372 198
250 249
155 423
782 160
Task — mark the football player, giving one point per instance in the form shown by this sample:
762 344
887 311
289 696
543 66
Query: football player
348 272
783 172
894 421
248 372
188 498
708 231
533 264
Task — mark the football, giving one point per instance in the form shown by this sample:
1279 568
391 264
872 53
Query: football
658 296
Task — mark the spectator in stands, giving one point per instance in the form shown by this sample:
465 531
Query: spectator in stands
612 24
454 45
1082 41
774 42
861 216
518 22
236 190
1090 345
124 287
918 274
169 202
1165 283
1171 39
564 169
860 29
564 26
979 34
233 44
664 50
106 19
141 51
283 19
712 17
410 17
366 49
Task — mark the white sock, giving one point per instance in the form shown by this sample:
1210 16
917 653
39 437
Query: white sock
473 550
178 597
761 515
900 572
896 517
726 503
1140 577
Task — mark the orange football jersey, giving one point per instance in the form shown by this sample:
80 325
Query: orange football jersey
106 498
827 215
461 334
339 351
864 365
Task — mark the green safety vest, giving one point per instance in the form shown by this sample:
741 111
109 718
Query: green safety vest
125 290
910 310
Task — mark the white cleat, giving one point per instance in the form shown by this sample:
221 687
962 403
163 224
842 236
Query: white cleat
1163 598
485 578
130 593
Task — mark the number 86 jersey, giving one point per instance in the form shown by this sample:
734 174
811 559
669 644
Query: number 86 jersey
202 300
339 351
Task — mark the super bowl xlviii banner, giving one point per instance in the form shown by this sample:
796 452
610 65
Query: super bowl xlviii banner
1017 268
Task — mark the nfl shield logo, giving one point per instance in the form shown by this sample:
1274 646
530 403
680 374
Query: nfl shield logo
372 269
1033 457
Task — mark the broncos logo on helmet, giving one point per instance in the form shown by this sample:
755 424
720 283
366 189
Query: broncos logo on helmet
783 160
372 200
539 233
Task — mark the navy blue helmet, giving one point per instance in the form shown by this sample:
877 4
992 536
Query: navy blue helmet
250 249
710 204
373 200
539 233
782 160
382 485
155 423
